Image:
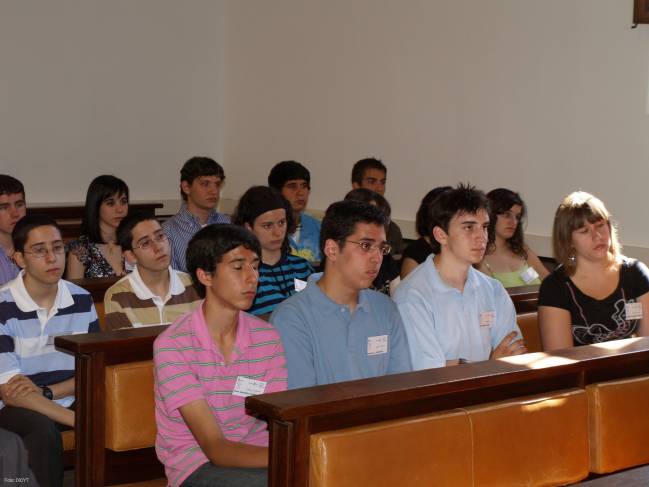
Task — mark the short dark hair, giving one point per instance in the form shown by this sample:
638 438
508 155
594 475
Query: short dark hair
500 201
341 218
101 188
26 224
423 222
124 234
10 185
358 171
196 167
258 200
459 200
368 196
287 171
208 245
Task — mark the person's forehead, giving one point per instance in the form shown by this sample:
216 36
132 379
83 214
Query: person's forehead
480 216
144 228
295 181
212 179
271 216
373 172
11 197
42 234
239 252
368 231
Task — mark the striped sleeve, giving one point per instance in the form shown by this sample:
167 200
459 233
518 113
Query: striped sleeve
176 383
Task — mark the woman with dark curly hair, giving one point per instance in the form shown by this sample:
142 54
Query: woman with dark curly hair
508 258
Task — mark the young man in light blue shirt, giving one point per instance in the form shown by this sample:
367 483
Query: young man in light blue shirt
452 312
336 329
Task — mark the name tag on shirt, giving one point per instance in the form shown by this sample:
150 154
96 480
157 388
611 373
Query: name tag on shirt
528 275
487 318
633 311
377 345
245 387
299 284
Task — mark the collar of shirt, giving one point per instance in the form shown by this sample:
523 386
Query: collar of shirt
325 303
440 286
186 215
143 292
202 334
26 304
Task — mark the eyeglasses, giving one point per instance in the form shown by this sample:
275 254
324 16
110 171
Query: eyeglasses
147 243
367 247
41 251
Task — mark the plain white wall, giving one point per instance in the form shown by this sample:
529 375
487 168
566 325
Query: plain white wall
128 87
543 97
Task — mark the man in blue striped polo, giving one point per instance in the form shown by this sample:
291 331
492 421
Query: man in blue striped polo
37 381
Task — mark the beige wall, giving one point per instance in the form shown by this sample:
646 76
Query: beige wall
129 87
541 96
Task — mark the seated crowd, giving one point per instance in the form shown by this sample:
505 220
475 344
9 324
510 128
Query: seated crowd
248 314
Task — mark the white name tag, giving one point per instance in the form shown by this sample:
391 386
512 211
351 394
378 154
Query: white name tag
487 318
245 387
633 311
377 345
299 284
528 275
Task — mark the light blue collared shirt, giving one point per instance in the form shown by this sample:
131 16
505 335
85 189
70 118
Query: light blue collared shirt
443 323
325 343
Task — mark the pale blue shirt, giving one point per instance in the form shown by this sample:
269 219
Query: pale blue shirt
325 343
443 323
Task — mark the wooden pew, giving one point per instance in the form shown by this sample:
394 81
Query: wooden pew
525 298
94 464
69 216
295 416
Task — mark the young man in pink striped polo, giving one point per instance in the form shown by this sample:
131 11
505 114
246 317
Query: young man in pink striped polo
208 361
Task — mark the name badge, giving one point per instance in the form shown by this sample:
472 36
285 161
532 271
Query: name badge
377 345
299 284
245 387
487 318
633 311
529 275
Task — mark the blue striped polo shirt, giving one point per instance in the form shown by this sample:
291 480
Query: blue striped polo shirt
277 282
27 332
180 229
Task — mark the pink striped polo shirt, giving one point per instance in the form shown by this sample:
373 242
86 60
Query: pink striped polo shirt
189 367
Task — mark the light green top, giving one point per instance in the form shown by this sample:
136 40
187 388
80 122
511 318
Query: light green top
513 279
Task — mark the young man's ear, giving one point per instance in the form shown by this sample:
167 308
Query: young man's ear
19 258
247 226
205 278
355 185
331 249
440 235
130 257
185 187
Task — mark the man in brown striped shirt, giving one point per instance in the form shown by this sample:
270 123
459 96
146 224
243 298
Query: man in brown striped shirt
153 293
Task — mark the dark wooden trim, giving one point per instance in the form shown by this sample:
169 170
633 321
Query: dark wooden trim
641 12
297 414
94 464
525 298
96 287
75 212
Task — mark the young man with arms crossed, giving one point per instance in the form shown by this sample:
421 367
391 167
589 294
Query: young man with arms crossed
153 293
293 181
208 361
201 179
452 312
337 329
36 381
371 173
12 209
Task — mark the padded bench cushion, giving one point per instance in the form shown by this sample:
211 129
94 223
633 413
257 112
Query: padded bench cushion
619 424
532 441
130 409
427 450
